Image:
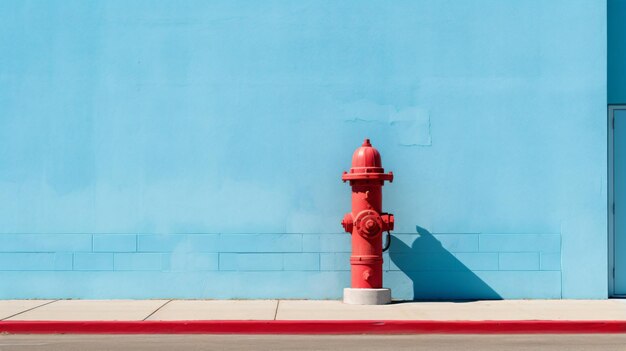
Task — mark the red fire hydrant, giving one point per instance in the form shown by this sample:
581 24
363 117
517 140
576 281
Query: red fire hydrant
366 223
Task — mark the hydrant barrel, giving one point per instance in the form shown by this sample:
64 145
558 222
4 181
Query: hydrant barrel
366 222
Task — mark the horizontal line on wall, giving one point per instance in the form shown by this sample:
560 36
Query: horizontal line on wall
259 271
475 270
256 233
167 233
271 252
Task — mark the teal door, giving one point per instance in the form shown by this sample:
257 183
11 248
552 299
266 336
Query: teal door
619 193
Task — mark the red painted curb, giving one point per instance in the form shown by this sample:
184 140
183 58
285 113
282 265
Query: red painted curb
312 327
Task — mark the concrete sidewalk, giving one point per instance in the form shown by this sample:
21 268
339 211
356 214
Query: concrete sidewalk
291 310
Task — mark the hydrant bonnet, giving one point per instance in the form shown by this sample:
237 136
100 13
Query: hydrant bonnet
366 165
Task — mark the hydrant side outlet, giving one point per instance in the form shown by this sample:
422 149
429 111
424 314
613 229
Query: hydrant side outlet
366 223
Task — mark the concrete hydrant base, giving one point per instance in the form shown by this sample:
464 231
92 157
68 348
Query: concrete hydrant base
366 296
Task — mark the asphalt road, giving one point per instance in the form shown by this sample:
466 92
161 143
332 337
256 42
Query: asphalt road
606 342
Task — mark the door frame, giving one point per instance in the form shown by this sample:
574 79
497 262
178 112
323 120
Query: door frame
611 199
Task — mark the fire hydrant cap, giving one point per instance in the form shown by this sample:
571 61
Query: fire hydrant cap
366 157
366 164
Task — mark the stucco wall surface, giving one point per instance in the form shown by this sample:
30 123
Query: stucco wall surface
616 32
195 148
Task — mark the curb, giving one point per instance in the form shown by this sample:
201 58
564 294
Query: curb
313 327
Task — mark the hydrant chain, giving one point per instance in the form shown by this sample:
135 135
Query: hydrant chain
388 244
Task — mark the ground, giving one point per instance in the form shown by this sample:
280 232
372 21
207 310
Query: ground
605 342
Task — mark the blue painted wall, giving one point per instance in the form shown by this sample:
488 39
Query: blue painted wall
195 148
616 10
